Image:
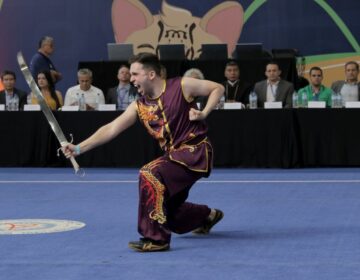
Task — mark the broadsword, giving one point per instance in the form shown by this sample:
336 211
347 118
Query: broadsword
46 110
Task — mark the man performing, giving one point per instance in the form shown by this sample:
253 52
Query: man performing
168 111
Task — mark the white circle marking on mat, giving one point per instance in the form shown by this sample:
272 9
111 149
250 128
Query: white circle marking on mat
37 226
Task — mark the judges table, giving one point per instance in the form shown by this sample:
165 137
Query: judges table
282 138
252 69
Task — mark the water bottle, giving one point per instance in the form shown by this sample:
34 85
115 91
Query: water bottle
339 100
295 100
29 98
304 100
77 102
82 103
253 100
15 102
222 102
97 102
334 100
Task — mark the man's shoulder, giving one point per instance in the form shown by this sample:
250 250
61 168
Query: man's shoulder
327 89
303 89
38 57
260 83
73 89
96 89
337 83
285 82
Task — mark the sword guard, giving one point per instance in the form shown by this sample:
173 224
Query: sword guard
58 152
71 138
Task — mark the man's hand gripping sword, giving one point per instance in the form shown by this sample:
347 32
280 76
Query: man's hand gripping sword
47 111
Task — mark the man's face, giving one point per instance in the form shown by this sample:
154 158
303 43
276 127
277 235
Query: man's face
8 82
140 77
316 77
272 72
351 73
232 73
84 82
48 47
124 75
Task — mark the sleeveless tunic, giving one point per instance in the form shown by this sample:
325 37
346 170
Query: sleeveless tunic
166 118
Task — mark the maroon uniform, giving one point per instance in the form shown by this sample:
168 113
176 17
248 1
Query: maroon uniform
164 183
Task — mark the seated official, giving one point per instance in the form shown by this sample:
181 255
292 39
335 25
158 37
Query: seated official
93 95
123 94
53 98
236 90
10 93
350 87
274 89
315 91
197 74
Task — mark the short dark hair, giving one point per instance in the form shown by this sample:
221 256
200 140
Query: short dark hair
316 68
124 65
232 63
353 63
45 39
273 62
148 60
8 72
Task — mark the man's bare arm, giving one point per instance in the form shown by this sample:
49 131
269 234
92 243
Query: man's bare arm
105 133
195 87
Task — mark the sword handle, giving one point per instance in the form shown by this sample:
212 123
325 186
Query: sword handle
78 171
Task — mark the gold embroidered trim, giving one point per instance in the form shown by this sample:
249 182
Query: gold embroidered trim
192 149
157 214
167 127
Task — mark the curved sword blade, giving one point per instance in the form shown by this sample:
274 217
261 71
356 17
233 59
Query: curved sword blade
44 107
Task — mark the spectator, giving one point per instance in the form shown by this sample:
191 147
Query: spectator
236 90
274 88
315 91
91 94
197 74
350 88
10 92
194 73
53 98
123 94
41 60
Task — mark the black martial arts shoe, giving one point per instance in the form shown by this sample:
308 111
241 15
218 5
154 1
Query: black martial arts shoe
205 229
148 245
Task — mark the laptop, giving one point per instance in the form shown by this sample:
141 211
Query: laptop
248 50
171 51
119 52
214 52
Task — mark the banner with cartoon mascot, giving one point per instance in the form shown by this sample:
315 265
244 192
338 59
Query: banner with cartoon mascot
326 32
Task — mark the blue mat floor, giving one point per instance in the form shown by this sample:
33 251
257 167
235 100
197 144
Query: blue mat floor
278 225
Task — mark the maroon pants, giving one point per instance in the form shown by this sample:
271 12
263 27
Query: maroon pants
163 188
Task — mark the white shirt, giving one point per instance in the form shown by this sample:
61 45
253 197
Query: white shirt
271 91
71 96
349 92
